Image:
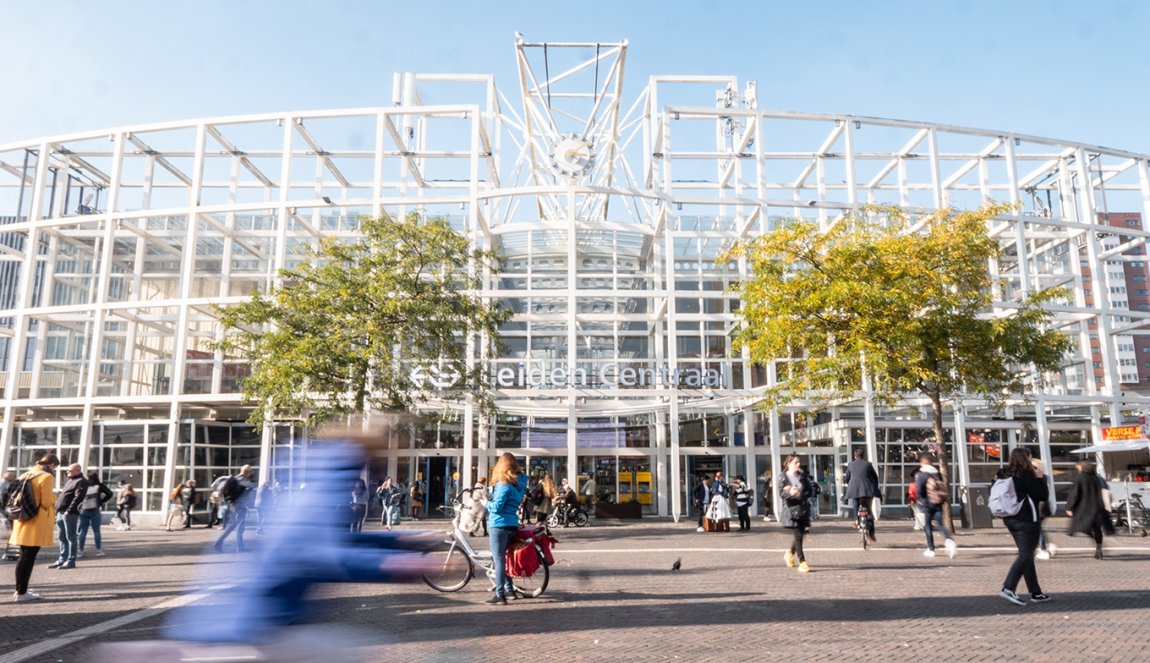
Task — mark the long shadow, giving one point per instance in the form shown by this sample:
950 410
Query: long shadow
430 625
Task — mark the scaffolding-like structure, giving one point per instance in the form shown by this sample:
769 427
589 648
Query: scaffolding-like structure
611 202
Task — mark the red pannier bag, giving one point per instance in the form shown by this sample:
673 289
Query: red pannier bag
522 558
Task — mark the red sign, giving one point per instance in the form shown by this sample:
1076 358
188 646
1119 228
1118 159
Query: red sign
1116 433
992 450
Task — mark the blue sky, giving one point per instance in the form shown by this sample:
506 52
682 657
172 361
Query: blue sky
1069 70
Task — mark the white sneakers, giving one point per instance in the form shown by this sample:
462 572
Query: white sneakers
1042 554
28 596
698 529
950 546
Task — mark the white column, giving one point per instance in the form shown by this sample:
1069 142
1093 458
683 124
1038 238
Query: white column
676 473
960 446
662 471
1044 444
749 454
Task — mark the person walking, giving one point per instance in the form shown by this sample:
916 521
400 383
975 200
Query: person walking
237 497
92 513
765 491
125 501
68 505
390 498
189 497
1084 506
1046 549
862 488
507 490
415 492
701 498
796 490
549 493
1024 528
358 505
217 510
6 484
176 508
589 488
479 497
35 533
932 493
743 495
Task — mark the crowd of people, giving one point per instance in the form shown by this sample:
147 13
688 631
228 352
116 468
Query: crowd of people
66 514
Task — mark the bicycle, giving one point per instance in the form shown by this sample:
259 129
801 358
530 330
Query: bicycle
568 515
452 568
864 526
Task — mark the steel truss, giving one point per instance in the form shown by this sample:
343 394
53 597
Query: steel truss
116 244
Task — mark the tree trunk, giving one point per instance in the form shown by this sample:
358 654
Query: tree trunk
943 456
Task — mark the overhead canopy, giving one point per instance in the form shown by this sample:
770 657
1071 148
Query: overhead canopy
1124 445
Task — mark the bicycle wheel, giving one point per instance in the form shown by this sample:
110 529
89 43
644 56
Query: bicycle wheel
581 519
536 584
448 570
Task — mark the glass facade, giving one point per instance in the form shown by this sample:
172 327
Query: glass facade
618 363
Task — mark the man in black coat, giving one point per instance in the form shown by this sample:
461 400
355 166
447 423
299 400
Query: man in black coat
862 488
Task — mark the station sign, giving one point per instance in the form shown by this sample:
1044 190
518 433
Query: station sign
543 375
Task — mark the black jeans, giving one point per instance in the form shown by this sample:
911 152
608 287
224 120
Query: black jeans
744 517
24 565
1025 536
797 543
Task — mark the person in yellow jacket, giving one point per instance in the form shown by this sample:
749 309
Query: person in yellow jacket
33 534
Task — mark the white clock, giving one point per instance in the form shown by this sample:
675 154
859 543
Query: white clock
572 156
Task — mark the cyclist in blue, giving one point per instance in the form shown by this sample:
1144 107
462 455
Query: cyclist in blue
507 491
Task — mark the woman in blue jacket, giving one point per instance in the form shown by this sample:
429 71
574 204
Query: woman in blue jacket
507 489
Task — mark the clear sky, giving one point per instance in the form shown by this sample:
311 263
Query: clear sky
1073 70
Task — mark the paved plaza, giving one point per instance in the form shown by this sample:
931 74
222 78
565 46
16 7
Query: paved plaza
614 597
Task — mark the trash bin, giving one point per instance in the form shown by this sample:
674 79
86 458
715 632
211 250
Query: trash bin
976 508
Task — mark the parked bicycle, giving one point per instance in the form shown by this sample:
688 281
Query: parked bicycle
1134 516
451 568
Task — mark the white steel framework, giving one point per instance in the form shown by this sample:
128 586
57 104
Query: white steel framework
611 211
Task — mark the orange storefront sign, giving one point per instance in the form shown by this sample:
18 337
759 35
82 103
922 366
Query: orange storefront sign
1116 433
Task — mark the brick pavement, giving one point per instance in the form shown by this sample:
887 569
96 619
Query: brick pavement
613 596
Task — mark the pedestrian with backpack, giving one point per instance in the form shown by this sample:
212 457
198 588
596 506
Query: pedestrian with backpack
35 532
1025 526
932 497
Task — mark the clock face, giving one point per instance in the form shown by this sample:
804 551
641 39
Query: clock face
572 156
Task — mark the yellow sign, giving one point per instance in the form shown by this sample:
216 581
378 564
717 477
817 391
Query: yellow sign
1116 433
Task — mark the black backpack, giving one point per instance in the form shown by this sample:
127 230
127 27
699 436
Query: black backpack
231 490
21 503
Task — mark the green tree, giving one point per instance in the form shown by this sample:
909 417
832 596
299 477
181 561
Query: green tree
345 329
906 302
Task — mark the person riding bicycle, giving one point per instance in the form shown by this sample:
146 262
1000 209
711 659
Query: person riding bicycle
862 488
564 503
